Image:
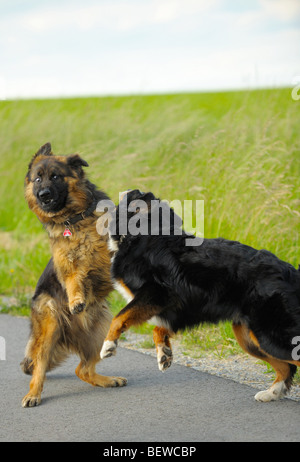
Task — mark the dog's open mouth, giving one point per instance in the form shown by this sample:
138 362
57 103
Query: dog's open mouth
48 204
47 201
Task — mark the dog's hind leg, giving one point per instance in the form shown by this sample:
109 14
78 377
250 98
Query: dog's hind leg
87 343
284 370
281 385
45 335
86 372
161 337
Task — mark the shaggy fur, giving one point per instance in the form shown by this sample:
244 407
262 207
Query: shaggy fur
69 310
181 287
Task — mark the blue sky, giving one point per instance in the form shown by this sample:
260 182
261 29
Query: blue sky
71 47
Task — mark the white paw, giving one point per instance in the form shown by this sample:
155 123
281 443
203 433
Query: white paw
108 349
164 357
275 392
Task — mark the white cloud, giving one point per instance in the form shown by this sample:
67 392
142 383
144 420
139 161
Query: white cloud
284 10
108 47
115 15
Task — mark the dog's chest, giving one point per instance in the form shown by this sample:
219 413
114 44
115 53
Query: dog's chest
74 248
72 255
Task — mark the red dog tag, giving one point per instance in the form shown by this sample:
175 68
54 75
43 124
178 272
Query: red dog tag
67 233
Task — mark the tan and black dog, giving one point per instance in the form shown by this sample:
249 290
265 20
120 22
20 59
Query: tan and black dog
69 310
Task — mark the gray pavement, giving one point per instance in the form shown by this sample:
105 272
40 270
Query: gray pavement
180 405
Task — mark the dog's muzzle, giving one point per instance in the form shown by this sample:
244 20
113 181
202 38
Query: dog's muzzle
45 196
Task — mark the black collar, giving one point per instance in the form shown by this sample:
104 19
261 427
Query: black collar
82 215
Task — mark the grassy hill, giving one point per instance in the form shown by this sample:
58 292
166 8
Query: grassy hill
238 151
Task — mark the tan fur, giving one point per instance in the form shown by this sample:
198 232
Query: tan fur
250 344
80 277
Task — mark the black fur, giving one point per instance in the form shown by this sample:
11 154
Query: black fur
216 281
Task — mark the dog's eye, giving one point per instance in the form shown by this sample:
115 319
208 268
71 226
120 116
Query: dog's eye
54 177
38 179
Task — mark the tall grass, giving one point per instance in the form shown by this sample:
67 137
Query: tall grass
238 151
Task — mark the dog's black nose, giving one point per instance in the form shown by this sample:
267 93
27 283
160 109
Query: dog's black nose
45 194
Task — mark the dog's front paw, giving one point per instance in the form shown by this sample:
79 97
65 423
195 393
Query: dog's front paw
31 400
164 357
109 348
76 308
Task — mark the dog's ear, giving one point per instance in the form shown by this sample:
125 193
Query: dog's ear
76 163
44 150
148 197
145 202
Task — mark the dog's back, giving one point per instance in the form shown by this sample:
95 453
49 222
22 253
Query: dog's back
225 280
221 280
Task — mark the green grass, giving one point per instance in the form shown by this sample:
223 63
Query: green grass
219 340
238 151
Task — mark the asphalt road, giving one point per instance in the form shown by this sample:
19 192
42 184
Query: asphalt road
180 405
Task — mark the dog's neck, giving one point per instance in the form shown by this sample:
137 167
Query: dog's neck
81 216
65 226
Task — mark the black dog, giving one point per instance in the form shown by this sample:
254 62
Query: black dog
181 287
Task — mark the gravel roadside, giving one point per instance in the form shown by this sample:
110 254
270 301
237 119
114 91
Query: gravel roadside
240 368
